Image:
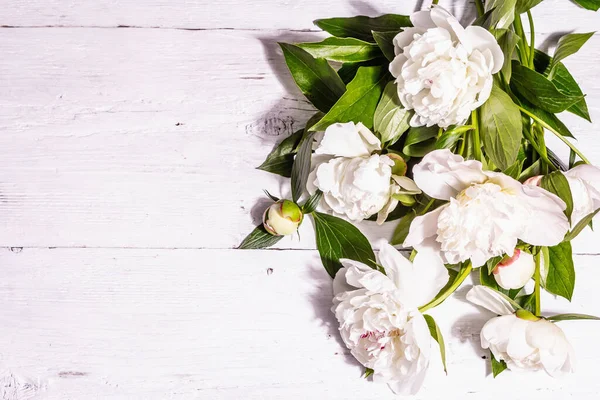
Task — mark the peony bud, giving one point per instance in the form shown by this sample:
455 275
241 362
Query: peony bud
282 218
400 166
514 272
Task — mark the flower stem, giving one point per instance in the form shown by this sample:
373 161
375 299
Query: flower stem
523 49
558 135
532 39
479 6
544 156
455 285
476 141
537 283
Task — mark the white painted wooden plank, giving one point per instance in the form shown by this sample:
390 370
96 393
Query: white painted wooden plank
551 16
148 138
214 324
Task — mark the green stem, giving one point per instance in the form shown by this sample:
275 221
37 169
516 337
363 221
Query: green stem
523 47
457 282
479 6
543 155
538 134
532 39
537 283
476 140
558 135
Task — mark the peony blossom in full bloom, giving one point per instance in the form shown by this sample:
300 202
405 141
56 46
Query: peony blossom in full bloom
522 340
514 272
379 318
486 214
444 71
356 181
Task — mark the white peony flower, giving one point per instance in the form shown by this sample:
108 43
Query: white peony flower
487 211
379 318
523 341
444 71
516 271
355 182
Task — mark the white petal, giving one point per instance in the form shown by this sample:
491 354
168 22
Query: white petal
547 223
516 274
360 275
407 184
481 39
386 210
431 275
496 332
442 174
422 19
490 299
422 228
518 346
348 140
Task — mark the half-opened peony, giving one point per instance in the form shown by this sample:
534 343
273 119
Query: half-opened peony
516 271
355 181
487 211
584 182
444 71
520 339
379 318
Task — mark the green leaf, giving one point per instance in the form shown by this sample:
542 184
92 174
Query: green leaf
368 372
436 334
342 49
391 118
348 71
549 118
360 27
385 41
420 141
402 229
561 271
507 40
501 128
527 302
514 171
525 5
504 13
337 239
485 20
259 238
316 79
539 90
585 221
269 195
593 5
448 139
564 82
568 45
557 183
497 366
571 317
531 171
312 203
360 100
301 167
281 159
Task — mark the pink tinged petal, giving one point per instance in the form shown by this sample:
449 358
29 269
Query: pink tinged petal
490 299
422 228
547 224
481 39
515 273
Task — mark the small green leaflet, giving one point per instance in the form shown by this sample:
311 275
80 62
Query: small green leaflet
436 334
501 128
593 5
385 41
348 71
360 100
539 90
571 317
281 159
420 140
548 117
337 239
312 203
301 167
497 366
269 195
503 13
391 118
527 302
585 221
507 40
533 170
259 238
360 27
568 45
342 49
561 271
368 372
514 171
557 183
525 5
316 79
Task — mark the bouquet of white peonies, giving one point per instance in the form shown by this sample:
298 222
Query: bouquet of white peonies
441 129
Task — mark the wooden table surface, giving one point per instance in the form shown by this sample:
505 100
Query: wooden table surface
130 130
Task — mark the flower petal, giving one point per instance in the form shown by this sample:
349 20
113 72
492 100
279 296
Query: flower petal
490 299
422 228
348 140
481 39
547 224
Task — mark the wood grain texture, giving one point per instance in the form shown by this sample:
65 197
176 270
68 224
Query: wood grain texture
215 324
153 142
551 15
